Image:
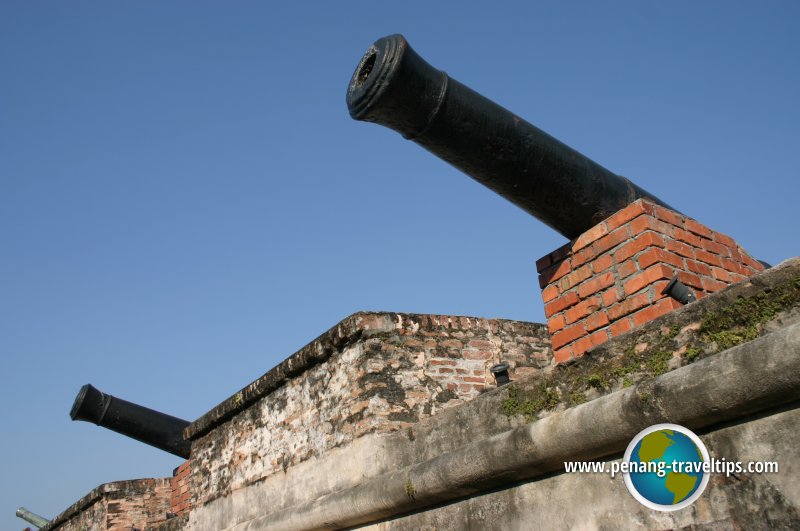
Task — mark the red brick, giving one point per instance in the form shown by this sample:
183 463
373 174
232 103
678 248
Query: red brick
670 216
574 278
543 263
643 223
705 256
620 327
561 303
473 379
658 287
697 228
680 248
628 213
442 362
567 335
563 354
752 262
716 248
590 236
725 240
554 272
586 254
656 310
640 243
610 297
690 279
688 237
698 267
721 274
579 311
656 255
602 263
549 293
645 278
626 269
610 241
599 337
735 267
477 354
628 306
711 285
581 346
445 370
561 253
556 323
590 287
478 387
480 343
596 320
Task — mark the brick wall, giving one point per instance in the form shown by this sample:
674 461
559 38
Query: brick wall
179 489
460 351
121 505
610 278
371 373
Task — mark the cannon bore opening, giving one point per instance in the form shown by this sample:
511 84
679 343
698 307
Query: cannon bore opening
365 68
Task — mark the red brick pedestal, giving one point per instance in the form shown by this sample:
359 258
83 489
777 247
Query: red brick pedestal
610 278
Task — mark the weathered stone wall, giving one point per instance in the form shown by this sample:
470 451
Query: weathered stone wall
121 505
727 361
372 373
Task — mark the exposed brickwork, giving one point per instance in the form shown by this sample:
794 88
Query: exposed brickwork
609 279
179 489
370 373
134 504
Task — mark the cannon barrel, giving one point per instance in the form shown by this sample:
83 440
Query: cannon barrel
32 518
395 87
137 422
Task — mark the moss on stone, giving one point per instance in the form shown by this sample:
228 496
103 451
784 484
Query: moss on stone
597 381
532 403
577 398
411 492
744 319
692 354
653 353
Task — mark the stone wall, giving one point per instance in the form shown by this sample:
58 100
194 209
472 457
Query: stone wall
121 505
727 367
371 373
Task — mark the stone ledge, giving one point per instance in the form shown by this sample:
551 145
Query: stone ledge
114 488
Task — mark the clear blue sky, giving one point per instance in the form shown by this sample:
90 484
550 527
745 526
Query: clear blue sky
185 202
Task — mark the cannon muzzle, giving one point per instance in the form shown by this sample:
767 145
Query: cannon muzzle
32 518
395 87
137 422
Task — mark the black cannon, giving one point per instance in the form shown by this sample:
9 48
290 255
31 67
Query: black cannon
137 422
395 87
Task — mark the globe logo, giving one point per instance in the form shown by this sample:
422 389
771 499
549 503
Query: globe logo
666 467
